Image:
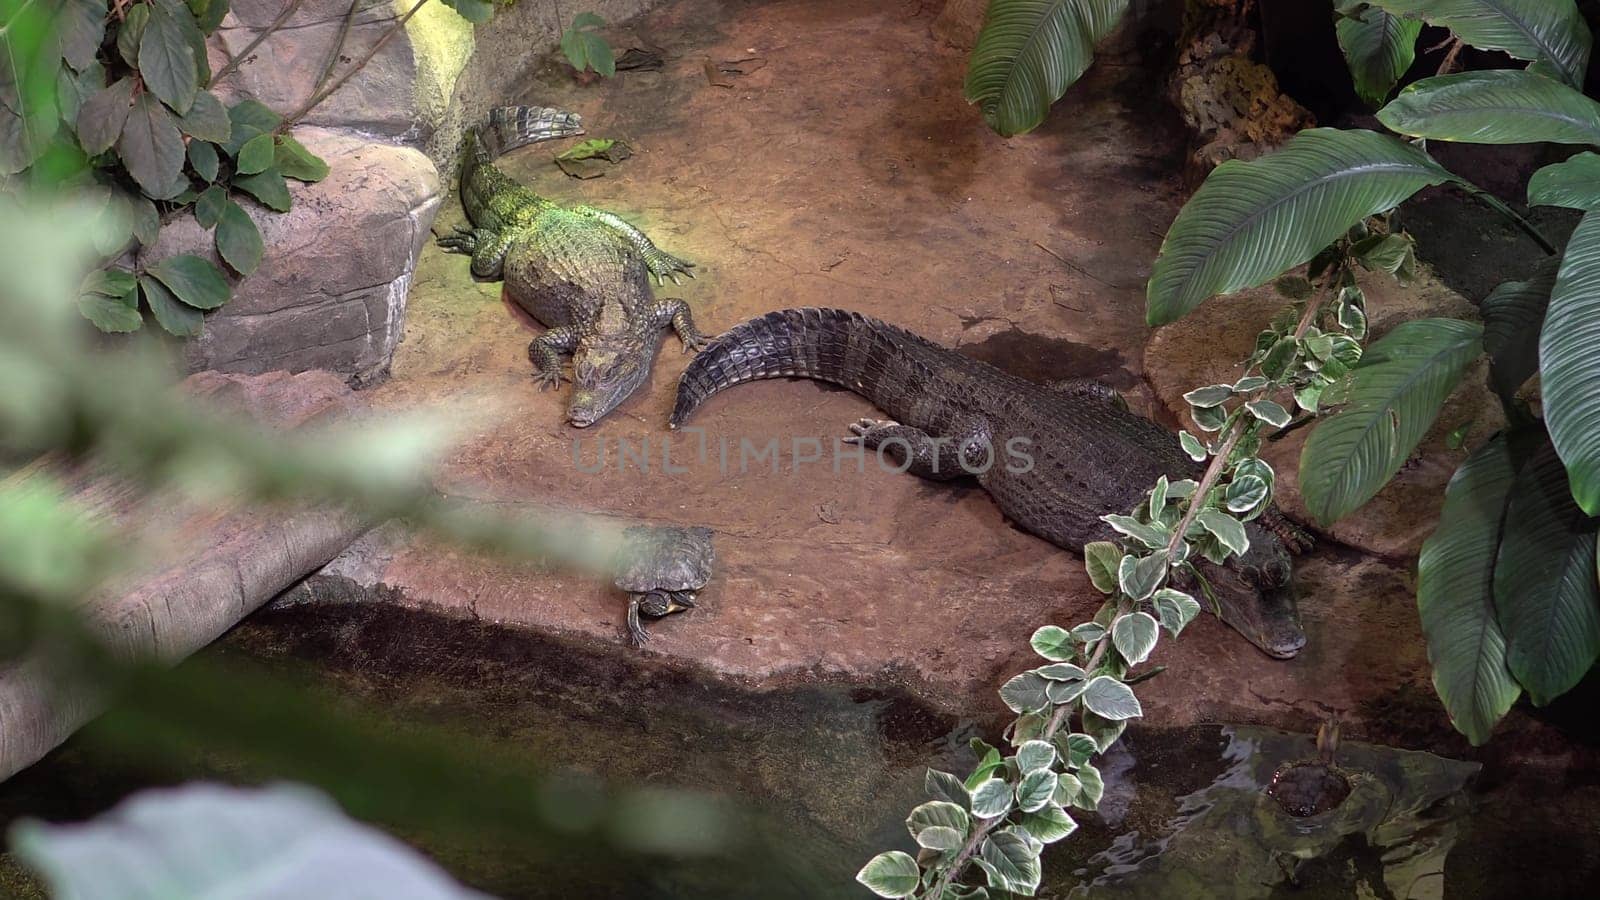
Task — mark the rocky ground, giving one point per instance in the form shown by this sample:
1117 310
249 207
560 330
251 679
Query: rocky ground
820 153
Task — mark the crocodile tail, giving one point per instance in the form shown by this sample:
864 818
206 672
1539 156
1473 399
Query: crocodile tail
863 354
510 127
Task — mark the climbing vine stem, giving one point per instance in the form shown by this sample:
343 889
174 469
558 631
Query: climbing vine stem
1075 706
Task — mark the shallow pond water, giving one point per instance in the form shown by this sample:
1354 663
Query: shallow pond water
829 771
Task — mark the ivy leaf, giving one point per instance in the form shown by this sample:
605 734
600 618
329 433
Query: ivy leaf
1226 528
1025 693
206 119
166 58
1111 699
1062 672
1035 755
991 798
1269 412
1010 863
102 116
203 157
178 319
152 148
1053 643
293 160
1139 577
1134 636
195 281
990 763
1246 494
238 239
1175 609
1101 559
268 187
1153 536
256 155
1212 395
892 874
1093 788
947 787
110 314
1036 788
475 11
1193 446
938 814
146 219
1050 824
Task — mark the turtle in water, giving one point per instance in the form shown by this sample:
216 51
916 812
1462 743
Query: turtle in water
662 568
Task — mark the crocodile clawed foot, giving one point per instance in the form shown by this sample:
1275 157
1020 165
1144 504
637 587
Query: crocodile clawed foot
861 429
547 380
695 342
664 266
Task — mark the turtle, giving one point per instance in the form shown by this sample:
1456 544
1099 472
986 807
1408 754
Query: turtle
663 568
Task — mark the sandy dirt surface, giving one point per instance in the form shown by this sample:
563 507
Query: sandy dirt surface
840 166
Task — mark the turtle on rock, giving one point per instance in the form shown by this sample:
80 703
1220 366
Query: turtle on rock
663 568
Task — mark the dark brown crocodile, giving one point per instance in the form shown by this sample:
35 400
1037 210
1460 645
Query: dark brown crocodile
1087 454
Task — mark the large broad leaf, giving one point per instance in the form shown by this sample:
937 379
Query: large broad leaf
1250 221
102 115
1550 32
1512 316
1455 594
1502 106
1029 52
208 841
1378 47
82 27
206 119
166 58
1391 398
1574 183
194 280
238 238
1544 581
152 148
1570 378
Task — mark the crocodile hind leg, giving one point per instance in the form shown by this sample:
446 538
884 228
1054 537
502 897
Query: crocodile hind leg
918 452
546 351
675 312
486 247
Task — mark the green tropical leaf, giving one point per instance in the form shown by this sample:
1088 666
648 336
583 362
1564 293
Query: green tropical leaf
110 314
1545 592
207 119
203 158
1570 379
130 33
1378 47
247 119
1250 221
177 318
1455 594
293 160
1548 31
102 116
166 59
208 207
1574 184
1029 52
146 219
1500 106
892 874
268 187
82 25
238 239
1512 316
256 155
1391 399
195 281
152 149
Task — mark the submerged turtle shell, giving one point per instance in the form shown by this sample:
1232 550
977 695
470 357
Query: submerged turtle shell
664 558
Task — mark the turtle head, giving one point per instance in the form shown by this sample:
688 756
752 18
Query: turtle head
607 367
1254 594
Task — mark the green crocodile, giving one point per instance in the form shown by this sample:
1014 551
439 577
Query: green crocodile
584 273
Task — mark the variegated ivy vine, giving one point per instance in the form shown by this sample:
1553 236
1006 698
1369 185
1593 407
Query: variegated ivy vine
1076 705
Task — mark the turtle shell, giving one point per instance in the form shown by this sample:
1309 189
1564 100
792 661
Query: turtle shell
664 558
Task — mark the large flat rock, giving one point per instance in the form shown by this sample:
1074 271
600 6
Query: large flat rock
872 186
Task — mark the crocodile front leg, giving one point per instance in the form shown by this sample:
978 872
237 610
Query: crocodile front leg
672 311
546 351
919 452
486 247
